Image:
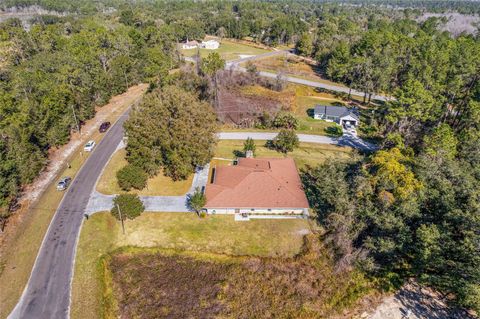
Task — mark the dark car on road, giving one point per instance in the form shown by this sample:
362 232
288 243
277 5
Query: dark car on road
63 183
104 127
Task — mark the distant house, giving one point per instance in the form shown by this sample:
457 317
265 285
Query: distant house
268 186
210 45
190 45
339 114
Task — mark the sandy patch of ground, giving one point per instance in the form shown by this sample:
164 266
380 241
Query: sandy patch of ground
416 302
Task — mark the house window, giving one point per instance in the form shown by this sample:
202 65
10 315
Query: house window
269 209
253 209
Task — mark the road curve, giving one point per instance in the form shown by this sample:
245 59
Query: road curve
47 294
235 66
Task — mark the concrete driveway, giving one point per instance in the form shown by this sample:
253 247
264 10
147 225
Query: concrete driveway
100 202
177 204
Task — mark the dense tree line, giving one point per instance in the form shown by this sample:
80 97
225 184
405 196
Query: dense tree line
408 213
63 66
433 77
89 6
411 208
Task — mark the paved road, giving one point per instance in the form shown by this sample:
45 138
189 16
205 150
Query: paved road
330 87
345 140
235 65
47 295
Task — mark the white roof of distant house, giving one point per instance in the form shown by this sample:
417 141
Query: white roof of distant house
210 41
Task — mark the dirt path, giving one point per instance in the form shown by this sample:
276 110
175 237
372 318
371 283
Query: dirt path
58 158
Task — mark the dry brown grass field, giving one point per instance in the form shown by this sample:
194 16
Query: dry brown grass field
152 283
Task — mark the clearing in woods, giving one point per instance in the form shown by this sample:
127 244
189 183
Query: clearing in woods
229 50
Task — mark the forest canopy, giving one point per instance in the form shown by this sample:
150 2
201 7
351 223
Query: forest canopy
61 68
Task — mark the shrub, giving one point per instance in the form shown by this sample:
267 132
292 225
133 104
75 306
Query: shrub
249 145
334 130
131 176
130 206
285 120
285 141
197 200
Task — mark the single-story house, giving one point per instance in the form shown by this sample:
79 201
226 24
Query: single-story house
190 45
339 114
255 186
210 45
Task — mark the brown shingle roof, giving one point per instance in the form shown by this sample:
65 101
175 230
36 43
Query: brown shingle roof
257 183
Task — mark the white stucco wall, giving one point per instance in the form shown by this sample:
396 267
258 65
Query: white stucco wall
293 211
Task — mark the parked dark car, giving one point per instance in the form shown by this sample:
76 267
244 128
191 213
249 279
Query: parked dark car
63 183
104 127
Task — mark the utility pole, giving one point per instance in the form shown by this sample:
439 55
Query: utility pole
76 120
121 219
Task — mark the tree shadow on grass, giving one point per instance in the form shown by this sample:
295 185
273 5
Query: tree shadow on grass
310 112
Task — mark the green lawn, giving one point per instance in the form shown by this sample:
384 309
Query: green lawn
306 154
183 231
228 50
304 111
157 185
